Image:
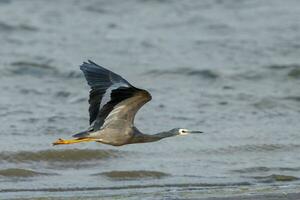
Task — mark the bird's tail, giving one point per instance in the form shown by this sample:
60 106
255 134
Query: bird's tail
82 134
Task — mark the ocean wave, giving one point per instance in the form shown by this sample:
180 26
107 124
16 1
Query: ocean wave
33 68
271 103
17 112
293 98
249 75
204 73
291 70
271 72
5 27
140 186
72 74
261 169
266 103
275 178
62 94
5 1
40 67
19 172
74 155
282 66
294 73
131 175
248 148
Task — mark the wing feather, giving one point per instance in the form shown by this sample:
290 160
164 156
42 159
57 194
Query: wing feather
100 80
127 109
111 96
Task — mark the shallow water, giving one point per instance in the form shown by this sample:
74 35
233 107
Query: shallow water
228 68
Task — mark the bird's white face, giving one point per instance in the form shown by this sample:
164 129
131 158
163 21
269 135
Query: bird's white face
183 131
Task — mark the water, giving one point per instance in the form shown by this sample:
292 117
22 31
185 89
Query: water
228 68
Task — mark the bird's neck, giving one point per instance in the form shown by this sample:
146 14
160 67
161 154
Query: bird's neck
141 137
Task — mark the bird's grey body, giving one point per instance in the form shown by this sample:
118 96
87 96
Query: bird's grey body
116 137
114 103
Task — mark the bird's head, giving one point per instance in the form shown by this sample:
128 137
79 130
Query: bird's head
182 131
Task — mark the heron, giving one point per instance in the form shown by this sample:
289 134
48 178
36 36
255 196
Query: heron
113 104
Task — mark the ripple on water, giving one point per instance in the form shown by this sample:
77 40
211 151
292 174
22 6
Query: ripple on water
265 169
292 70
133 175
249 76
249 148
5 27
41 68
32 68
270 72
204 73
294 73
275 178
266 103
282 67
293 98
19 172
69 155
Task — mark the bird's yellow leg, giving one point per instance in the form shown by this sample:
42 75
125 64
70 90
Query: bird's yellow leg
72 141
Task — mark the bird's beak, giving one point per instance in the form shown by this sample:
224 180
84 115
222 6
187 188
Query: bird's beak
195 132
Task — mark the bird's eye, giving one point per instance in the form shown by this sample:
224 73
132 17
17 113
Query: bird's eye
182 131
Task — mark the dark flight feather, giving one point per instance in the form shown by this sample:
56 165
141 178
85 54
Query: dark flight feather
99 79
107 91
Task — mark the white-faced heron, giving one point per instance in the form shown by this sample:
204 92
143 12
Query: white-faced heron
114 103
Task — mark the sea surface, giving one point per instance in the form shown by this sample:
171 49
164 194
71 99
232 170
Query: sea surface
230 68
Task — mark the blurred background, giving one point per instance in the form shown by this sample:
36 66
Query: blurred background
228 68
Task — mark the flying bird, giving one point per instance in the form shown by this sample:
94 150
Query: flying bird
114 103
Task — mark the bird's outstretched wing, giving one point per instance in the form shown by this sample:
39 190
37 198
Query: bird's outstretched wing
123 113
111 96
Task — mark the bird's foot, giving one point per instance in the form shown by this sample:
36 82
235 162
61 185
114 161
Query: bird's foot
62 141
